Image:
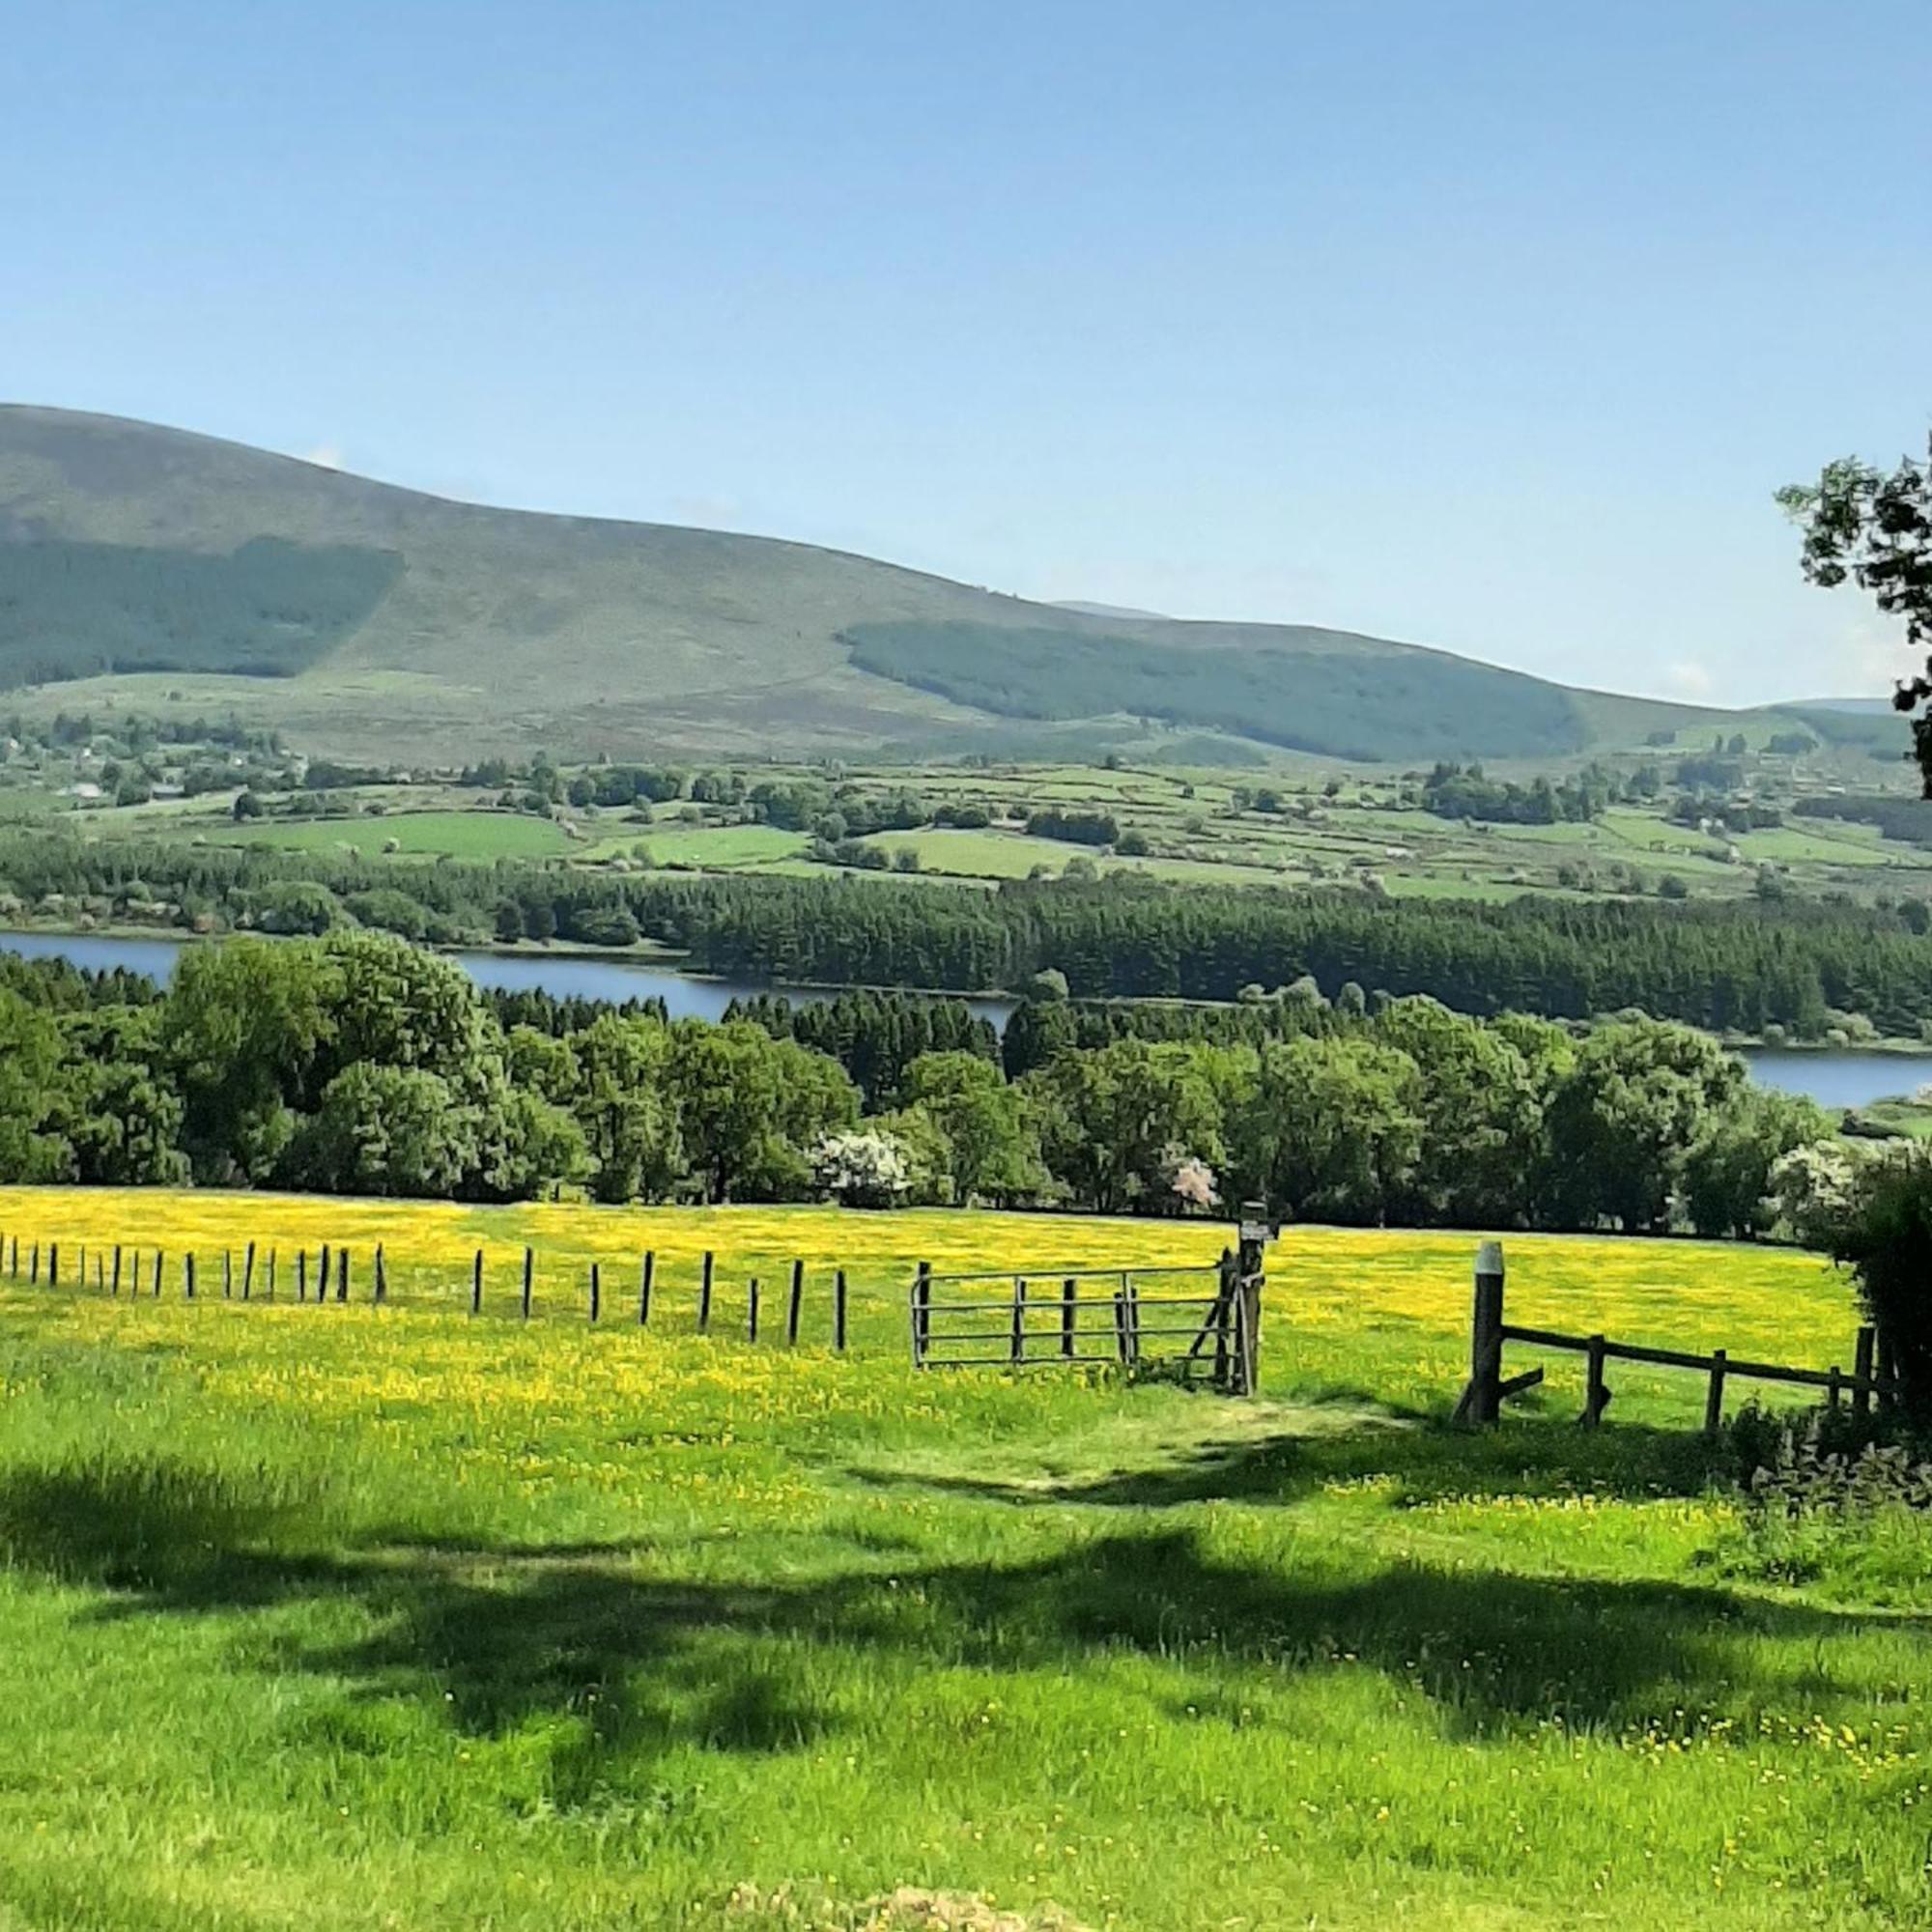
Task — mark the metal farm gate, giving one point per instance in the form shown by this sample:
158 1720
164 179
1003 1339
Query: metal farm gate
1187 1321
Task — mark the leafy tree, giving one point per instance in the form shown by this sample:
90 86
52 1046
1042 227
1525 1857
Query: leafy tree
386 1130
1727 1184
1640 1093
1875 530
1482 1117
749 1105
30 1059
991 1137
243 1025
1332 1129
1110 1116
624 1106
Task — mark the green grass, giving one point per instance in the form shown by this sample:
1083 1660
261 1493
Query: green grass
463 835
357 1617
722 848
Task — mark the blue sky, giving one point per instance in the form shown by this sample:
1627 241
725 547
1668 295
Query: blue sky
1491 326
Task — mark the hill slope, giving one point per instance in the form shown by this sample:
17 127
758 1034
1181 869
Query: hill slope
137 561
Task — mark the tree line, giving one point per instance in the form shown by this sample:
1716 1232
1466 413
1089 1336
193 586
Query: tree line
1796 965
359 1064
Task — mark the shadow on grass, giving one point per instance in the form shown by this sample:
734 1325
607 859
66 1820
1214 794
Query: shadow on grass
639 1663
1413 1463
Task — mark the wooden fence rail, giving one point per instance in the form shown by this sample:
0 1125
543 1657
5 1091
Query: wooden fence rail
1487 1387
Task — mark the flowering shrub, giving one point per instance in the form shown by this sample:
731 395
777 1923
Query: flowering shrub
1188 1179
862 1169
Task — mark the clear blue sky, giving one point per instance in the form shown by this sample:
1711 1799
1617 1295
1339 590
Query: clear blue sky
1491 326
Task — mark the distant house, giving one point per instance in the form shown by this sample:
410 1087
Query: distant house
86 792
165 788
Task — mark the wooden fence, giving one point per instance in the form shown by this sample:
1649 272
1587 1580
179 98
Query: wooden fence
1869 1380
332 1274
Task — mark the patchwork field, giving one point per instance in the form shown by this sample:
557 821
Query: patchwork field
361 1617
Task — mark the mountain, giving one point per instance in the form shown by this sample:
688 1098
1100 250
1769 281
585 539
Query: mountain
143 567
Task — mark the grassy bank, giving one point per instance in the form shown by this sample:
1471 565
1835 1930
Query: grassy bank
389 1617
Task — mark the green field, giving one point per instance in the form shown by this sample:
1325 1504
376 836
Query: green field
463 835
364 1617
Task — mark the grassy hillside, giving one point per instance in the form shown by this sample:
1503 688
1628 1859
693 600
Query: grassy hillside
142 567
552 1627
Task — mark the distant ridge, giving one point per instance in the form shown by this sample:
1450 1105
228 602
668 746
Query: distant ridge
142 566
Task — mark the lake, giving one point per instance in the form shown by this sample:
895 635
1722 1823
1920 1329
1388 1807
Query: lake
563 974
1837 1077
1834 1078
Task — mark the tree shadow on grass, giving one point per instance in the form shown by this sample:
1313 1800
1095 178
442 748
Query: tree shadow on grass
635 1664
1412 1462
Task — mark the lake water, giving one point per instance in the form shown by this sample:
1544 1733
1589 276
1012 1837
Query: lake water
562 973
1833 1078
1837 1078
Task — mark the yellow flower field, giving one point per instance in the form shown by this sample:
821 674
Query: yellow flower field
366 1617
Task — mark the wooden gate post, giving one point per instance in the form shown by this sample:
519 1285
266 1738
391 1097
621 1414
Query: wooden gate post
1250 1266
1862 1398
1019 1318
1070 1315
1483 1400
922 1314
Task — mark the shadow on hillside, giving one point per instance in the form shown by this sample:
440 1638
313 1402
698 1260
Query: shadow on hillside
642 1662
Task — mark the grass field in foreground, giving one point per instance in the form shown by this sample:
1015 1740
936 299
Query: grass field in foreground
370 1617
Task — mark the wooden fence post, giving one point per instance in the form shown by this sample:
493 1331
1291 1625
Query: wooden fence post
269 1287
34 1266
1130 1293
1250 1266
53 1263
596 1292
751 1322
1228 1286
188 1262
1863 1360
158 1274
227 1276
382 1276
529 1265
1482 1400
704 1296
116 1289
1018 1350
301 1274
249 1272
1596 1391
476 1284
1714 1396
1069 1316
922 1314
342 1275
1834 1393
645 1275
1120 1321
838 1311
795 1305
321 1276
